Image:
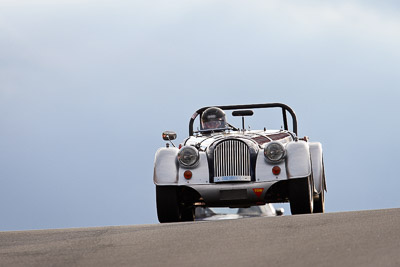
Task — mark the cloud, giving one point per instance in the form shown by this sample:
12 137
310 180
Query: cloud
350 18
84 85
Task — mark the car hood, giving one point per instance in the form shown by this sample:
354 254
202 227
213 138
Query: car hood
255 138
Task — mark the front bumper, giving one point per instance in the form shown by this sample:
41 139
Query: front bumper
233 194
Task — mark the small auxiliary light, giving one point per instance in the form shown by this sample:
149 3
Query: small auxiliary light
187 174
276 170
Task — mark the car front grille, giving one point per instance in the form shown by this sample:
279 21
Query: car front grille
232 159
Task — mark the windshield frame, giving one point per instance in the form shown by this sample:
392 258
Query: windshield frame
285 109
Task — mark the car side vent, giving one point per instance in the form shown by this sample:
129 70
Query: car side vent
231 161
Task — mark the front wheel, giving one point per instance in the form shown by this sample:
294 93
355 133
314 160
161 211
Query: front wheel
301 196
319 202
167 204
187 214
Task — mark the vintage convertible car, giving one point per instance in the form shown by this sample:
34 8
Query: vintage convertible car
221 165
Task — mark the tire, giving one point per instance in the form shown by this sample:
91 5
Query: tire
301 196
319 202
167 204
187 214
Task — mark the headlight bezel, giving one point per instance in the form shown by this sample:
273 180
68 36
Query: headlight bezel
277 146
188 163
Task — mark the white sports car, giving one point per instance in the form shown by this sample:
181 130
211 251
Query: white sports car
221 165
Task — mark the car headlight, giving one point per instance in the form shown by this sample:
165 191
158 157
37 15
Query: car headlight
188 156
274 152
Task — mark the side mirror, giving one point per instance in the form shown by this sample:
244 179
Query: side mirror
168 135
279 212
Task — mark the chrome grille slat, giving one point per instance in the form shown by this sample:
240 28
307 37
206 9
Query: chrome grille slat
232 159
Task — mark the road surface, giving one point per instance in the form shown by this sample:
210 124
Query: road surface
362 238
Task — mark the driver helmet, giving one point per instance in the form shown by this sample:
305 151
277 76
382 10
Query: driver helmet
213 118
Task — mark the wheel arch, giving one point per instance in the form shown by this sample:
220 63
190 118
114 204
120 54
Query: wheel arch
317 164
298 162
166 166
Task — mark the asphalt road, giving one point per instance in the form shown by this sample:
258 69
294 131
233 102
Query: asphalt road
362 238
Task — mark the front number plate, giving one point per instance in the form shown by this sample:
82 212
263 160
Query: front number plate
232 179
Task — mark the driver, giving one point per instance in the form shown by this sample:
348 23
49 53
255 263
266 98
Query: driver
213 118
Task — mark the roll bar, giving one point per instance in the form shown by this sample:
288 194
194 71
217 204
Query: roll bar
251 106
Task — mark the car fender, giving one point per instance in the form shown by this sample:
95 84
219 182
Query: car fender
166 166
298 163
317 166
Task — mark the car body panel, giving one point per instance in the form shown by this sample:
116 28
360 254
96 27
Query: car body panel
200 173
264 169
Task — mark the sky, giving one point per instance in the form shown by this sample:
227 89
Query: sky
87 88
